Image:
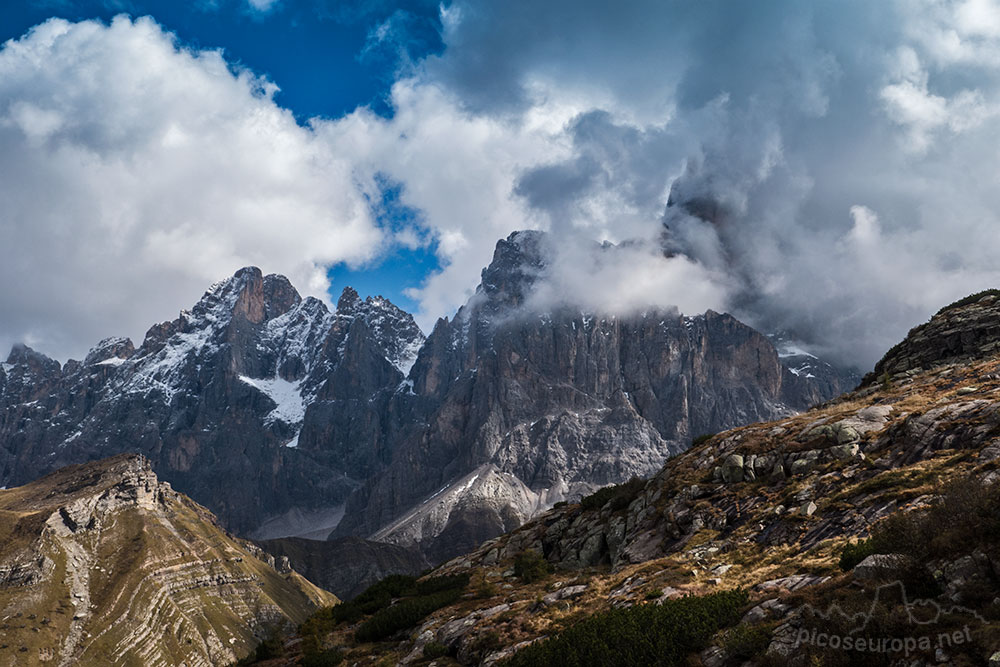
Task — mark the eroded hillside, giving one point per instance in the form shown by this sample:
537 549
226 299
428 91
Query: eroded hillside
103 564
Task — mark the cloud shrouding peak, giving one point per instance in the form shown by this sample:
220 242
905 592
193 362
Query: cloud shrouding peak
830 168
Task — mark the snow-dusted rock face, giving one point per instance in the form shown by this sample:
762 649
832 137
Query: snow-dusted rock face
217 398
813 379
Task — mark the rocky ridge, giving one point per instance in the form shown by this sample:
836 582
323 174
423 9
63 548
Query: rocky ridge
103 563
955 333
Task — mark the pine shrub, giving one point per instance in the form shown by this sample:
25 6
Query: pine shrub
646 634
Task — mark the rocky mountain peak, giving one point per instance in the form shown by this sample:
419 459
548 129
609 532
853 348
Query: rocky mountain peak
256 298
248 294
36 362
517 263
349 301
110 351
262 404
395 332
279 295
968 328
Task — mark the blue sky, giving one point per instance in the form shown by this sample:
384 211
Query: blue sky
316 54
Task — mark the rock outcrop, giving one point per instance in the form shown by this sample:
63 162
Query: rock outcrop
105 564
967 331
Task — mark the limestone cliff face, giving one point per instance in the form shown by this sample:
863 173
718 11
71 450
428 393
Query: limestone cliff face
104 564
520 409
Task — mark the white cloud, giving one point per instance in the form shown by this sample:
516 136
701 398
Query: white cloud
263 6
769 123
910 103
627 279
141 172
137 173
458 169
866 231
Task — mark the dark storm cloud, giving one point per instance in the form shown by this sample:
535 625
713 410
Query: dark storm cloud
833 157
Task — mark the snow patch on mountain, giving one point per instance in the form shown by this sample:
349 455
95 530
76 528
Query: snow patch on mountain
485 487
408 356
287 397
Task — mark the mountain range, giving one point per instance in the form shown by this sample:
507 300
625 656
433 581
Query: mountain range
288 419
874 510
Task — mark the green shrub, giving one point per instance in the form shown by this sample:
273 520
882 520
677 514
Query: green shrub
433 650
323 658
646 634
618 495
702 439
745 641
442 583
965 517
404 614
270 648
530 566
393 586
414 600
486 590
852 554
